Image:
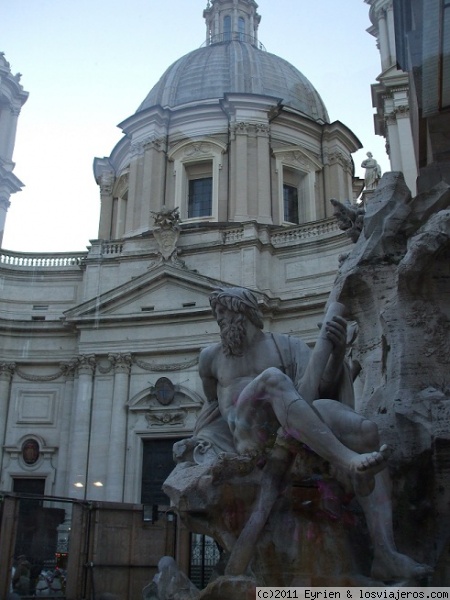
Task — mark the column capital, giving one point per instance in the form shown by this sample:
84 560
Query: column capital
7 371
85 364
121 362
106 183
4 202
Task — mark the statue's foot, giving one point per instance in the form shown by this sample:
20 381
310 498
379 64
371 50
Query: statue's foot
364 467
396 567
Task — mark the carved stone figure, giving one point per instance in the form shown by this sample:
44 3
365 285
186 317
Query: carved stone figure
167 232
269 397
170 583
395 284
350 218
373 172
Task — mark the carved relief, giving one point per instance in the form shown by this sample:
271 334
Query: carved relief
152 366
30 451
197 148
164 391
164 418
167 232
68 368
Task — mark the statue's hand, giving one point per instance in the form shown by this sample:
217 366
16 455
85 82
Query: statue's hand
336 331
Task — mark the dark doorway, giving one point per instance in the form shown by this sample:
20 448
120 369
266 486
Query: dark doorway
37 528
205 555
157 463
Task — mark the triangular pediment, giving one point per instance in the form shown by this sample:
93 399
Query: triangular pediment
164 291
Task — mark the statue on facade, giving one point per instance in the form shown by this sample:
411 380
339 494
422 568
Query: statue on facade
269 396
373 172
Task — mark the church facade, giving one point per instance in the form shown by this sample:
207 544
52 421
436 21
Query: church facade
222 178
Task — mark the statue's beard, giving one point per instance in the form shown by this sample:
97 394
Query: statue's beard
232 334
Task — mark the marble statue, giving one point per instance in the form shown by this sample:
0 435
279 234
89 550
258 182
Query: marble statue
268 398
395 285
170 583
373 172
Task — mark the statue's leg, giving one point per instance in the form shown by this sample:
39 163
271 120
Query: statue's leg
388 564
361 435
304 423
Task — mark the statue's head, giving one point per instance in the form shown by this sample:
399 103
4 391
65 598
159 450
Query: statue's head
369 154
233 308
237 300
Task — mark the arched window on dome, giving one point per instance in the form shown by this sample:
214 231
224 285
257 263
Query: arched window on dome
197 167
241 25
200 190
297 177
293 196
227 28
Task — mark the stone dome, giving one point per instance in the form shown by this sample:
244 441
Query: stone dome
235 67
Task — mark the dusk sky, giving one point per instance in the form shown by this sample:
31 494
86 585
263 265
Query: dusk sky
89 64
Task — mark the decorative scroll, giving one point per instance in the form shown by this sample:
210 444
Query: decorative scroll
29 377
167 367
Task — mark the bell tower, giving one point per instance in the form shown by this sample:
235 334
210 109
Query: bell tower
228 20
12 98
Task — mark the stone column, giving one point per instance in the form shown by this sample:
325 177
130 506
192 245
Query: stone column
391 34
153 181
4 205
116 453
216 24
6 374
134 187
11 139
80 428
106 182
407 148
62 485
5 127
383 40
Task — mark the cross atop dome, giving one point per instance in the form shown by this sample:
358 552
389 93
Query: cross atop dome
228 20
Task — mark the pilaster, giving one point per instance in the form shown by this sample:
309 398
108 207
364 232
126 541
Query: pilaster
117 439
241 170
264 208
106 183
6 375
80 428
62 484
134 189
153 181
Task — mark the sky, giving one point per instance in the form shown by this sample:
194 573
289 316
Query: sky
87 66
